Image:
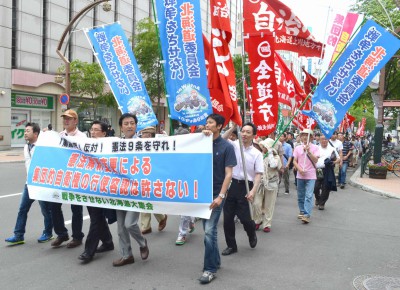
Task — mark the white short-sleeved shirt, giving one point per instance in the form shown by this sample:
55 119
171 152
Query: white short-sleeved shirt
254 162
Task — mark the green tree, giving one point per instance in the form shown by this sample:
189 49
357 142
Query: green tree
88 81
147 52
237 63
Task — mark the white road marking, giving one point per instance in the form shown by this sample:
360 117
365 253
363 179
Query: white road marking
10 195
85 217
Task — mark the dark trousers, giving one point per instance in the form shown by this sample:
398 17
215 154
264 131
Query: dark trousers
59 225
98 230
237 204
321 192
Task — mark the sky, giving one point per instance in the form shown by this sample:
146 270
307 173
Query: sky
314 13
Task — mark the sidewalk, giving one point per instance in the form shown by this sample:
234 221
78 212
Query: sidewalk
13 155
389 187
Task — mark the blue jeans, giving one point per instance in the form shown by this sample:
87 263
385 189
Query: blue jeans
305 190
59 225
212 259
22 217
342 173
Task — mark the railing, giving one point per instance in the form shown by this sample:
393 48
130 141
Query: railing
365 158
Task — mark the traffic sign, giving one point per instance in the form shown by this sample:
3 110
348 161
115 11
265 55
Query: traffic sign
64 99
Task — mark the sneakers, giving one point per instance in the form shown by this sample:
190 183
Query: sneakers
300 215
191 227
321 207
342 186
45 238
15 241
58 241
305 219
287 192
180 240
207 277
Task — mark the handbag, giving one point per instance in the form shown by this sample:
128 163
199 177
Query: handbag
320 172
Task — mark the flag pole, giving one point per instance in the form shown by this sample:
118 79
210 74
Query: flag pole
244 115
161 63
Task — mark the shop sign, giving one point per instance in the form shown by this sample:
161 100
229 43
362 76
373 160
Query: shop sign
29 101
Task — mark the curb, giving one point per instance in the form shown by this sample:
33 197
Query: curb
368 188
12 161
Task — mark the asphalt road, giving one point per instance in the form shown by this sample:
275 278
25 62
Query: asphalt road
357 234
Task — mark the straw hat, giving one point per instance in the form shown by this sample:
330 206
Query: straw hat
149 129
307 131
267 143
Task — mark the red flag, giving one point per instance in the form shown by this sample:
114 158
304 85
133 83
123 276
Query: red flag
221 74
302 121
346 122
285 81
272 16
309 82
361 127
262 75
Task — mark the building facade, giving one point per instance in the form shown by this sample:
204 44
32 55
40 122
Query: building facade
31 31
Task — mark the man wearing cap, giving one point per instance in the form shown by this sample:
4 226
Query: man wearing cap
70 123
305 157
145 218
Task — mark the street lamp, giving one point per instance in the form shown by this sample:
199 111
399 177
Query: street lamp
106 7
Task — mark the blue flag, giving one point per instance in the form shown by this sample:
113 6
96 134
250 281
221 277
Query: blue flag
122 72
185 71
367 53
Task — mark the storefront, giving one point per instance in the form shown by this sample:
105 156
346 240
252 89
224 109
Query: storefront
29 108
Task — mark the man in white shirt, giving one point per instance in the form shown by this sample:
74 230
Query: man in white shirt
70 122
237 202
321 190
32 131
335 142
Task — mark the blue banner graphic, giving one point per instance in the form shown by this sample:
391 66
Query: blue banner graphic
367 53
185 71
146 175
120 68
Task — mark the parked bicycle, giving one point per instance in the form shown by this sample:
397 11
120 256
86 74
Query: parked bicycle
391 159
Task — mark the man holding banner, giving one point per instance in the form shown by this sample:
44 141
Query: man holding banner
70 123
223 162
128 220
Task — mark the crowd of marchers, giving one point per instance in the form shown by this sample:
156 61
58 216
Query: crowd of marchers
247 172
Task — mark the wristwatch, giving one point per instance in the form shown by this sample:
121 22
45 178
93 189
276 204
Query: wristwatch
221 195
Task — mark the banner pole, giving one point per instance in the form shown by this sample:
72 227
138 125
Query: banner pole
244 114
162 66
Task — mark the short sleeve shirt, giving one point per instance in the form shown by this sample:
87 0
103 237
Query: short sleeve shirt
254 162
304 161
288 152
223 156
